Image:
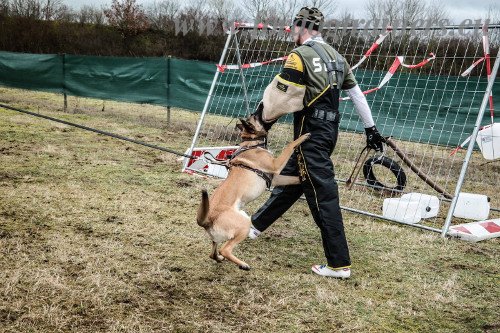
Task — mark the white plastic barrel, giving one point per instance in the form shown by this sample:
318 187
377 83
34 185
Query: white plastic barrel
401 210
488 140
472 206
428 204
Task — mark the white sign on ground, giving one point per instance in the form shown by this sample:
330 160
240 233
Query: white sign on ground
476 231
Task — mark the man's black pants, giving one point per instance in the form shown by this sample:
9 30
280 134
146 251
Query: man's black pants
312 163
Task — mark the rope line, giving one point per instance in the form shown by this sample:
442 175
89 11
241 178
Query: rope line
86 128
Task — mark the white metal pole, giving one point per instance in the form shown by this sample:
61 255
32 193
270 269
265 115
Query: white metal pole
242 76
209 97
470 149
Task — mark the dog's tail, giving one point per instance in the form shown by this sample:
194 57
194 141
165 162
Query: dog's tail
201 218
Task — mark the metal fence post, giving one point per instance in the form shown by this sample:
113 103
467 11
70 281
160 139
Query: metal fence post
209 96
470 149
65 109
242 76
168 89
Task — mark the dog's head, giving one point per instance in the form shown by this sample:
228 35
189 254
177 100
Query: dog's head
252 128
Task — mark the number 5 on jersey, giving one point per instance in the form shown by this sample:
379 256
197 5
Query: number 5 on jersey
318 65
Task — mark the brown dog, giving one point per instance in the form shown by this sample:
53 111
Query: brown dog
252 167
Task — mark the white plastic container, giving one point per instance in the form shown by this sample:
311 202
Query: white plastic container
472 206
402 210
428 204
488 140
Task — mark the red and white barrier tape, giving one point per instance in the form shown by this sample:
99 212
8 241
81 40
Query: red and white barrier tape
486 49
260 26
222 68
394 67
469 70
374 46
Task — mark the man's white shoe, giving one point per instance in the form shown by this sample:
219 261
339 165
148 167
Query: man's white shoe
253 233
324 270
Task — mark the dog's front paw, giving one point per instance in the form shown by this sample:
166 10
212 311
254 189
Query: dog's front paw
217 257
244 267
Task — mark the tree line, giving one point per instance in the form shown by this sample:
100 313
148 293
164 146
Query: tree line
126 28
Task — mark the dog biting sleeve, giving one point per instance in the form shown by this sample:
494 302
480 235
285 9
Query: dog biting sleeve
282 97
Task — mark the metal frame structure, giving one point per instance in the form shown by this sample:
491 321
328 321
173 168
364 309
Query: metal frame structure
232 36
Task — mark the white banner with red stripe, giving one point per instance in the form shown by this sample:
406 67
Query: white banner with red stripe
202 163
476 231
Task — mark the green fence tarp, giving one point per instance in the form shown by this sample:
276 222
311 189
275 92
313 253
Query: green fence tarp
162 81
142 80
190 82
403 108
31 71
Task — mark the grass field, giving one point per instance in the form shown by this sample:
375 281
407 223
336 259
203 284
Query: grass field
99 235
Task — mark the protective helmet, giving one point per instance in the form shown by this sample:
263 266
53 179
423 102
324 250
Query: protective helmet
309 17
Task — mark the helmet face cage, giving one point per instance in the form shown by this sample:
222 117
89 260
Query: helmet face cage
309 17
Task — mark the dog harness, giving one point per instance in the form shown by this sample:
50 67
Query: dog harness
268 177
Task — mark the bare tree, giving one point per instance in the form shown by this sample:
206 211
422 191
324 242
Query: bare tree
285 10
396 12
257 9
127 16
327 7
494 18
494 14
412 10
379 10
4 7
90 14
222 9
162 13
40 9
196 9
345 17
52 9
26 8
436 11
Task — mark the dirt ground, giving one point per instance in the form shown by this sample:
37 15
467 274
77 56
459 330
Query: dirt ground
99 235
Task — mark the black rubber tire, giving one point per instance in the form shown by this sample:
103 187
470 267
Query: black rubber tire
391 165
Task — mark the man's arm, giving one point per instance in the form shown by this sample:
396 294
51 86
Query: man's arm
361 106
285 94
373 138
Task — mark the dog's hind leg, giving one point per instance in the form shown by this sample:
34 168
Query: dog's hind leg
227 250
215 254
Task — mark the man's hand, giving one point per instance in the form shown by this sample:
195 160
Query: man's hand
374 140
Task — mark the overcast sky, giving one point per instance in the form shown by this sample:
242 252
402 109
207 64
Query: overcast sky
458 9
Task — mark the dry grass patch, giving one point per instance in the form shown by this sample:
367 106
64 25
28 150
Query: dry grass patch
98 235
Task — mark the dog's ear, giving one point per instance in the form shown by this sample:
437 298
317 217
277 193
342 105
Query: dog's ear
240 127
248 126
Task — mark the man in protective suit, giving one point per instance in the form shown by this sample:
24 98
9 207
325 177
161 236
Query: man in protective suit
308 86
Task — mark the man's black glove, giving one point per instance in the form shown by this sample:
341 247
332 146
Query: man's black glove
258 114
374 140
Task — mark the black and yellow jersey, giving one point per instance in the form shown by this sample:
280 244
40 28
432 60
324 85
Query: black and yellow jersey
305 67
